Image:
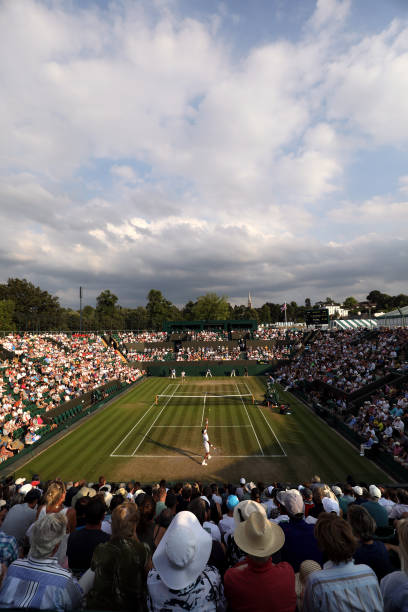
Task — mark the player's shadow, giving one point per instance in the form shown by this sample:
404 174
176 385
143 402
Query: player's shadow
180 451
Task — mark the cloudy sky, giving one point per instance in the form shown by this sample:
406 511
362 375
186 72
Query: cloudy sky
194 146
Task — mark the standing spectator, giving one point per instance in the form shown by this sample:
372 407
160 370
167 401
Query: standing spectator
120 565
256 584
227 522
39 581
340 585
181 579
394 586
82 543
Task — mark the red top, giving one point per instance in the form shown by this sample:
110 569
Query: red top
250 587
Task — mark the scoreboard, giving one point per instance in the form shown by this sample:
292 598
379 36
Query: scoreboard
317 316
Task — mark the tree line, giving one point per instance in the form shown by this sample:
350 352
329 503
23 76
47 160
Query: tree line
25 307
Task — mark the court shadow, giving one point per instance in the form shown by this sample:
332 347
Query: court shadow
179 451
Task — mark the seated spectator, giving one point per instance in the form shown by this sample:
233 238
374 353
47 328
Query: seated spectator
227 523
394 586
145 528
378 512
181 579
201 510
82 543
21 516
300 542
39 581
345 585
120 565
256 584
371 552
400 510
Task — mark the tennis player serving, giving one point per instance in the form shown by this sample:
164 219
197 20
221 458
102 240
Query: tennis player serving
206 443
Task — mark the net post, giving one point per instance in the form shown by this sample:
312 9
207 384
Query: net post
156 400
253 399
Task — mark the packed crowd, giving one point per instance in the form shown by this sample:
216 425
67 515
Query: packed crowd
46 372
150 354
207 335
253 548
347 360
265 353
278 333
382 421
208 353
141 336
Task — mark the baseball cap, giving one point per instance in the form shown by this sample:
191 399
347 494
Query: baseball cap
292 500
374 491
242 481
232 501
337 491
330 505
358 490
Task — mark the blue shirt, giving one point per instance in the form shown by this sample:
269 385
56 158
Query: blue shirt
300 543
8 548
342 587
40 583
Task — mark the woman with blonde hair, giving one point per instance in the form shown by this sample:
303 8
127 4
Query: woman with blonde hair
120 566
394 586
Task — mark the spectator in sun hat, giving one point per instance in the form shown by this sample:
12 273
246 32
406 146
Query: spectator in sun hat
240 491
181 578
378 512
306 568
201 509
300 541
227 522
256 583
241 513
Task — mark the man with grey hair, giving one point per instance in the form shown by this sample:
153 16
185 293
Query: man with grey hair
39 581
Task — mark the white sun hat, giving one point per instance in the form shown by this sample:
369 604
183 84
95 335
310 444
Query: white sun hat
183 551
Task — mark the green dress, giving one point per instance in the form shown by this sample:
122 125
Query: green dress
120 576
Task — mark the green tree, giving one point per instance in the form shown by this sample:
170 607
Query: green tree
33 307
264 314
6 315
211 307
158 309
350 303
188 311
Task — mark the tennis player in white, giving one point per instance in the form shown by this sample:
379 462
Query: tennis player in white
206 443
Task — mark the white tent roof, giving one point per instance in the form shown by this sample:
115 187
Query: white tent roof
354 323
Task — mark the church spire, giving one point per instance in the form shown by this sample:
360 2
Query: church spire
249 300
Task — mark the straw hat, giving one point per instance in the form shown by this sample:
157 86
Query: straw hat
306 568
244 509
183 551
259 537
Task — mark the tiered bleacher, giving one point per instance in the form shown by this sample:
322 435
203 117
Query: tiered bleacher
48 380
249 546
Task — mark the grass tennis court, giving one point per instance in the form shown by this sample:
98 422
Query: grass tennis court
146 439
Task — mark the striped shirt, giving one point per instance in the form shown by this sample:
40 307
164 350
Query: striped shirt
343 587
40 583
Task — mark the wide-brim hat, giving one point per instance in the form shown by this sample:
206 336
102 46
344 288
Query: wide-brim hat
20 481
83 492
183 551
245 508
25 488
259 537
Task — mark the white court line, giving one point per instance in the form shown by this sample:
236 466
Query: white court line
150 428
249 419
192 455
135 425
198 426
270 427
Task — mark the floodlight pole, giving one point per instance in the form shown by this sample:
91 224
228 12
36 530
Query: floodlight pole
80 310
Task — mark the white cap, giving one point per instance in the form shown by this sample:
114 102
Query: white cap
330 505
242 481
358 490
25 488
374 491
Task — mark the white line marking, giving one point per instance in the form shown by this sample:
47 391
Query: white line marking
129 432
192 456
249 419
150 428
198 426
270 427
